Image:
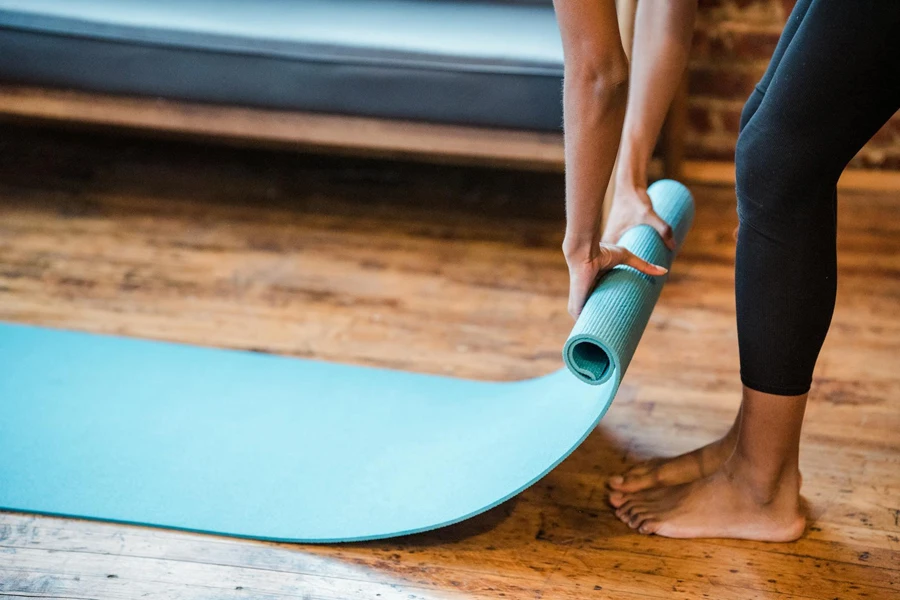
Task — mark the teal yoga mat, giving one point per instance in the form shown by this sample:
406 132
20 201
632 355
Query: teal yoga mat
261 446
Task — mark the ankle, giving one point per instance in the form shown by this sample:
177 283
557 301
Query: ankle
729 440
765 484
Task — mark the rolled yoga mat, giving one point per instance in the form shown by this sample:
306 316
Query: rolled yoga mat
250 445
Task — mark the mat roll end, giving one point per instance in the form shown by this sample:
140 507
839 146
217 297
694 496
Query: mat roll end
615 315
588 360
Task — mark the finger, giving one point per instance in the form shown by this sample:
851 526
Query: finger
663 229
577 298
641 265
574 309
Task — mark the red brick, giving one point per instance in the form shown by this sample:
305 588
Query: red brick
731 119
698 119
700 151
748 47
705 5
732 43
787 6
725 83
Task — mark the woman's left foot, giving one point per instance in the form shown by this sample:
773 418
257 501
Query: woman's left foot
726 504
672 471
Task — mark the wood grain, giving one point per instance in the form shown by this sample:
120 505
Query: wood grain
442 270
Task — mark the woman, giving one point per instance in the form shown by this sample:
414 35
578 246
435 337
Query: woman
833 81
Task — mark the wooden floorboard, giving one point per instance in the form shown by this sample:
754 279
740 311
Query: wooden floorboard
443 270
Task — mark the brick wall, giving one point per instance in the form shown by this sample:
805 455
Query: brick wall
732 45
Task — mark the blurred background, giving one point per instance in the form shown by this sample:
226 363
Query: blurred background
448 80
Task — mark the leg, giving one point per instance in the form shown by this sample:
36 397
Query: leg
703 461
837 83
754 495
784 42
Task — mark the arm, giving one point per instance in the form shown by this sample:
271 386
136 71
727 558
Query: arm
662 42
594 97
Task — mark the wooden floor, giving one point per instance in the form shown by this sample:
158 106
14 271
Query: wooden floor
440 270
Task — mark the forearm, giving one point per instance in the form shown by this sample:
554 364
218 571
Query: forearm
593 126
663 32
594 100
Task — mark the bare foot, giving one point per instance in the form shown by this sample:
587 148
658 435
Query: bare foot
672 471
726 504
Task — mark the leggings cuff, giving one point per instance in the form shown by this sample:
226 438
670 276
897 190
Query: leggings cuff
776 390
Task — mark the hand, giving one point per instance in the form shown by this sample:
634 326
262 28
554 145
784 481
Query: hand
631 206
585 270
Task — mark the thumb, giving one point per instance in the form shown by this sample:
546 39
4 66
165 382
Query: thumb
663 229
636 262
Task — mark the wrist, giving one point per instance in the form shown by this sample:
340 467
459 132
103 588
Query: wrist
631 178
631 171
580 247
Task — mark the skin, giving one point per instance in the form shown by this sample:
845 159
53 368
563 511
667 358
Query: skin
753 494
747 484
595 92
662 34
683 468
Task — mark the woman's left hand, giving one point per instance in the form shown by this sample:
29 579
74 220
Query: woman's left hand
585 267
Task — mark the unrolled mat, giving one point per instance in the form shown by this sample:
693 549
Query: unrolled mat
278 448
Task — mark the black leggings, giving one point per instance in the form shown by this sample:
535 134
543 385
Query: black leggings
833 81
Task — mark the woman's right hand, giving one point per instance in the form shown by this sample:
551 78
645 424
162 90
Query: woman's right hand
588 264
631 206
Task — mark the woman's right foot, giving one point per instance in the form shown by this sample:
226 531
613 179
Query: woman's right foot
733 502
684 468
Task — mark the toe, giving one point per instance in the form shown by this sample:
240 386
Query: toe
624 511
638 516
617 499
616 482
654 494
639 481
648 526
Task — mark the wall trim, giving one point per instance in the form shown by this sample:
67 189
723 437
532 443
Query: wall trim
722 173
354 135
